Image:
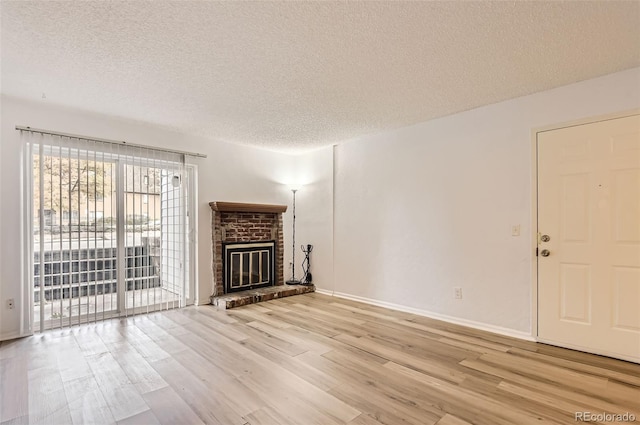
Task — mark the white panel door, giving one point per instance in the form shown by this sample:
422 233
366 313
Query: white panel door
589 207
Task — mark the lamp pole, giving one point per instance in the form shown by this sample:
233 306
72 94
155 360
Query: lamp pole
293 280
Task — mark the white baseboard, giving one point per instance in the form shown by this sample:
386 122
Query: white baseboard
11 335
425 313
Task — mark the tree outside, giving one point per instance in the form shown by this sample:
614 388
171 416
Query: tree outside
82 191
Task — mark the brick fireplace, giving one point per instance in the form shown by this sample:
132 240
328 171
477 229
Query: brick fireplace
241 226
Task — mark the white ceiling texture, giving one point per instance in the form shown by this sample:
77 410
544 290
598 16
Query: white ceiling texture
298 75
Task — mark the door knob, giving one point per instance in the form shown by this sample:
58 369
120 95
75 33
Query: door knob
545 238
545 252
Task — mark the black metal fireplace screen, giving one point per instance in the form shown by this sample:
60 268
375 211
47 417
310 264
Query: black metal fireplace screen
248 265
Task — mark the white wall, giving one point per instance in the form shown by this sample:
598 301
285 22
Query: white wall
314 215
230 173
424 209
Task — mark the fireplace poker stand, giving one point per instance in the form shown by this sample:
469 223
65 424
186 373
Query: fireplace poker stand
306 264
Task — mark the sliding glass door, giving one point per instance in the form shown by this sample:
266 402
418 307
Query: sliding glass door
155 248
108 231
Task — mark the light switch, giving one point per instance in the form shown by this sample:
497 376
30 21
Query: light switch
515 230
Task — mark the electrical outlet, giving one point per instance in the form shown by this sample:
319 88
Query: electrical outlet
11 304
457 292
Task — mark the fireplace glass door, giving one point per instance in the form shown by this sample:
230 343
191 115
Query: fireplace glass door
248 265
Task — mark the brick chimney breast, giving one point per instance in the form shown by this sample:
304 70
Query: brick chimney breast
241 222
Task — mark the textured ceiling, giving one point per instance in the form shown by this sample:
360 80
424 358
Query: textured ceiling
297 75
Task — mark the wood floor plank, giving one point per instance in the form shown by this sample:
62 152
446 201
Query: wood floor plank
161 337
46 397
316 407
225 388
73 364
546 399
169 408
380 334
619 392
141 342
475 340
302 321
13 388
323 299
327 322
309 359
547 371
219 315
581 357
20 420
90 407
290 335
121 395
13 347
76 388
145 418
477 346
271 380
460 330
365 312
268 416
452 420
258 316
565 390
401 357
375 390
124 401
197 395
365 419
500 412
381 408
623 377
489 388
88 342
273 307
296 365
326 315
212 323
143 377
60 416
44 351
107 371
252 330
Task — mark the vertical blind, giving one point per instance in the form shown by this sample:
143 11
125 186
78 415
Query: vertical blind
107 229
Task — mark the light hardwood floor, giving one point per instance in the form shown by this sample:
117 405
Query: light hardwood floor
308 359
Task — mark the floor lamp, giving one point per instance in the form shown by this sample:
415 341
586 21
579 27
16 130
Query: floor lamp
293 280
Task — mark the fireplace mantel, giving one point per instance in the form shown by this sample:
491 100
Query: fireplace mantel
249 208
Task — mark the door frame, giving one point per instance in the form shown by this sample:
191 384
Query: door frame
534 209
191 171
